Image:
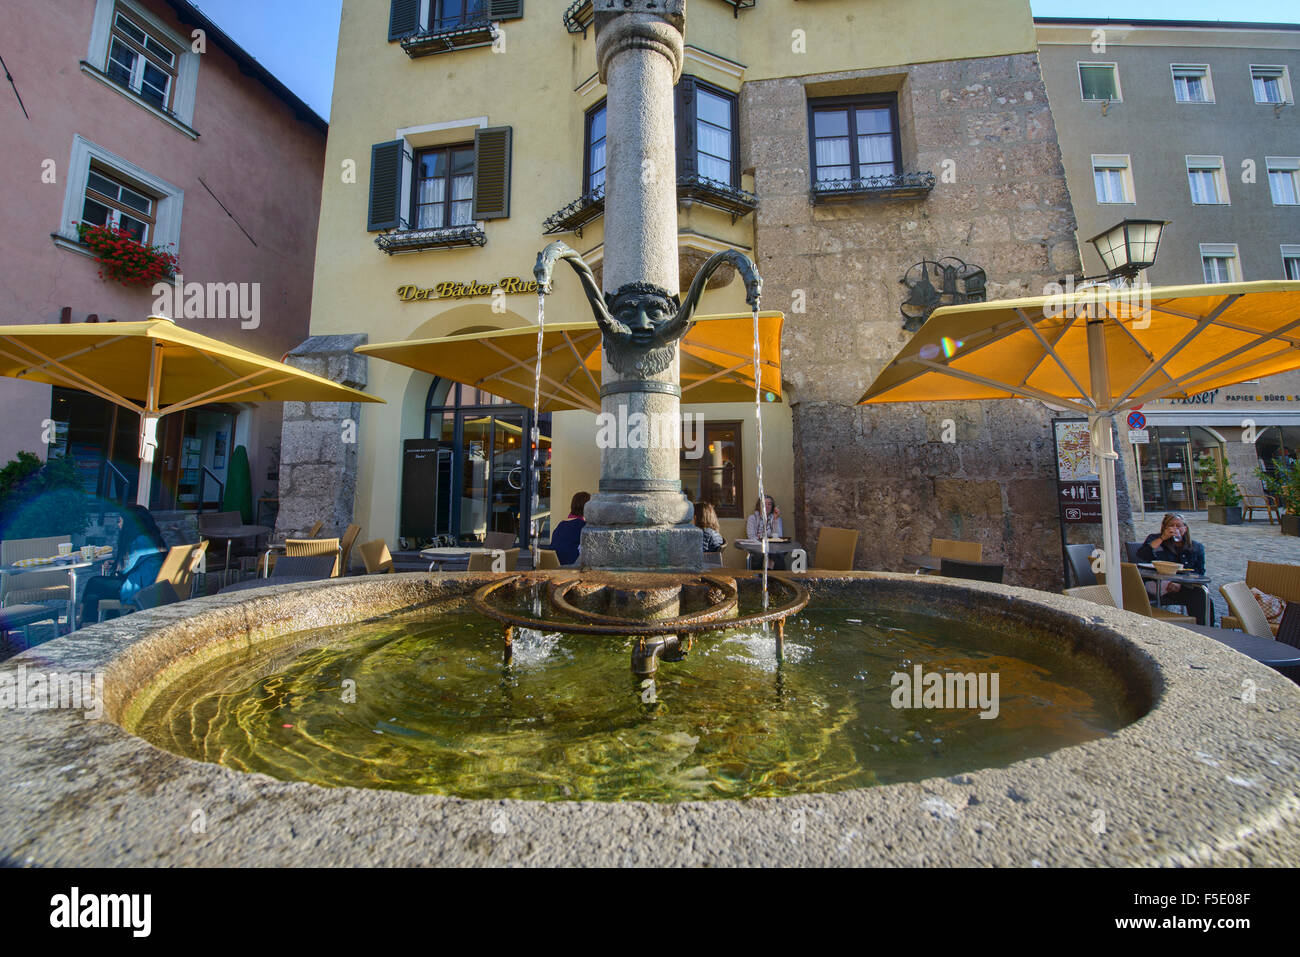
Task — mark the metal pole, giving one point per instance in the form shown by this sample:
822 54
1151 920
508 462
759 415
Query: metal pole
149 428
1104 455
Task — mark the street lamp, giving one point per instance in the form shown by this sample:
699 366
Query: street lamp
1129 247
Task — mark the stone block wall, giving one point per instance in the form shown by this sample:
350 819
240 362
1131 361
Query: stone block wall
886 470
318 463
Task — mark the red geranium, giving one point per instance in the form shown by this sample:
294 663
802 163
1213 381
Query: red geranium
123 259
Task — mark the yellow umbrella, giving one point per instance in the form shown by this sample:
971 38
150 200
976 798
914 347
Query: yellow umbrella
1100 351
155 368
717 361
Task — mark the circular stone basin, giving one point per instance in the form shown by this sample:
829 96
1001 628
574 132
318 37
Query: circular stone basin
1205 772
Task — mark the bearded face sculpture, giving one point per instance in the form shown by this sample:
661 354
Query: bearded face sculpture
641 327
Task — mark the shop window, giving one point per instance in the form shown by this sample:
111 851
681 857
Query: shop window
1099 81
1113 178
711 467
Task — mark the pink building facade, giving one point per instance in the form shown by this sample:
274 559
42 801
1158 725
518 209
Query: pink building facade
143 114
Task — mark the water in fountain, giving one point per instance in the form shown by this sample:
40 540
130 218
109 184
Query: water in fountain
536 430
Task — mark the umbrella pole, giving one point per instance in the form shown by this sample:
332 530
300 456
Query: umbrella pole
1104 456
149 429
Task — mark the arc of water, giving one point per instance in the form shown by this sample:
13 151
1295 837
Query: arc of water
536 432
758 422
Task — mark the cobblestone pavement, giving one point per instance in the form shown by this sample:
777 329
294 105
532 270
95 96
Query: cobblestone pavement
1229 547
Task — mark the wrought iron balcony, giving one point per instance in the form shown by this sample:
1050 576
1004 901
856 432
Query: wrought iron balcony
451 34
897 186
579 17
590 206
407 240
738 5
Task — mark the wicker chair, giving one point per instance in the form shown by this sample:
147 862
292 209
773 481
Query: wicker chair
345 548
1246 610
548 558
962 551
1137 600
177 571
835 548
313 546
377 557
1099 594
33 587
1273 578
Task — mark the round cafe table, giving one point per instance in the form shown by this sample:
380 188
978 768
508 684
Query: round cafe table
754 547
451 555
230 534
1275 654
74 565
1182 578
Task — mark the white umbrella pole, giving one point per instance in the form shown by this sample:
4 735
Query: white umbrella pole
1104 456
149 431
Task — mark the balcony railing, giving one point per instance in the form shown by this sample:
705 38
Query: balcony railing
738 5
579 17
590 206
897 186
451 34
407 240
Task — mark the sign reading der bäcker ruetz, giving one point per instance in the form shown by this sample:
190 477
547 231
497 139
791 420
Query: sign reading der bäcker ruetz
510 285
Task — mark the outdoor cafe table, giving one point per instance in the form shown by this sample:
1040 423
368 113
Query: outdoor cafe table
233 533
1275 654
73 565
1198 581
451 555
775 549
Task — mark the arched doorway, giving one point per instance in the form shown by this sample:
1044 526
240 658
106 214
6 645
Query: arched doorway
483 475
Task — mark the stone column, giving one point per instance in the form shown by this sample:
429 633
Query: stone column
639 517
318 447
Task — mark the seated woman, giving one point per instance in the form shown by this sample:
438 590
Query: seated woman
566 537
754 523
706 518
136 561
1173 543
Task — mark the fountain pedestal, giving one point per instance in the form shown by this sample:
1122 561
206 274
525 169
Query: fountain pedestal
638 516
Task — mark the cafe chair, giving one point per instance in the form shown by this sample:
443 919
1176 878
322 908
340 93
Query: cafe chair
1246 610
177 572
973 571
482 561
305 547
378 559
502 540
1080 557
345 548
22 617
33 587
1273 578
835 548
1131 549
962 551
1099 594
547 558
1288 631
1137 600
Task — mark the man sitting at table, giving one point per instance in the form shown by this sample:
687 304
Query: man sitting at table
567 536
1173 543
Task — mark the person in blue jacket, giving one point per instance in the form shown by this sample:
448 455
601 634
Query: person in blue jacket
567 536
136 562
1173 543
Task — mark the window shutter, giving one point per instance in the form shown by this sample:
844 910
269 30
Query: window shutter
385 186
684 109
505 9
403 19
492 173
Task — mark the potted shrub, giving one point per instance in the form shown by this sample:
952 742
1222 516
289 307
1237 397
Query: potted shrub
1284 485
42 498
123 259
1225 497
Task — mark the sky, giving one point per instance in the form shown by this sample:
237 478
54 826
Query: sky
296 39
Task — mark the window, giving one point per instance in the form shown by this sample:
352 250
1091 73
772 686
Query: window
1192 83
1219 263
717 475
140 62
426 27
854 139
1208 184
103 188
1284 179
1272 84
443 187
110 202
593 176
707 140
1113 178
1291 262
144 59
1099 81
455 14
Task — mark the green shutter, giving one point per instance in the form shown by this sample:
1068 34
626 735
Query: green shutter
505 9
403 19
684 117
492 173
385 186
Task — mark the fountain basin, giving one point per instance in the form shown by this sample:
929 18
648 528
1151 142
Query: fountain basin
1203 777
